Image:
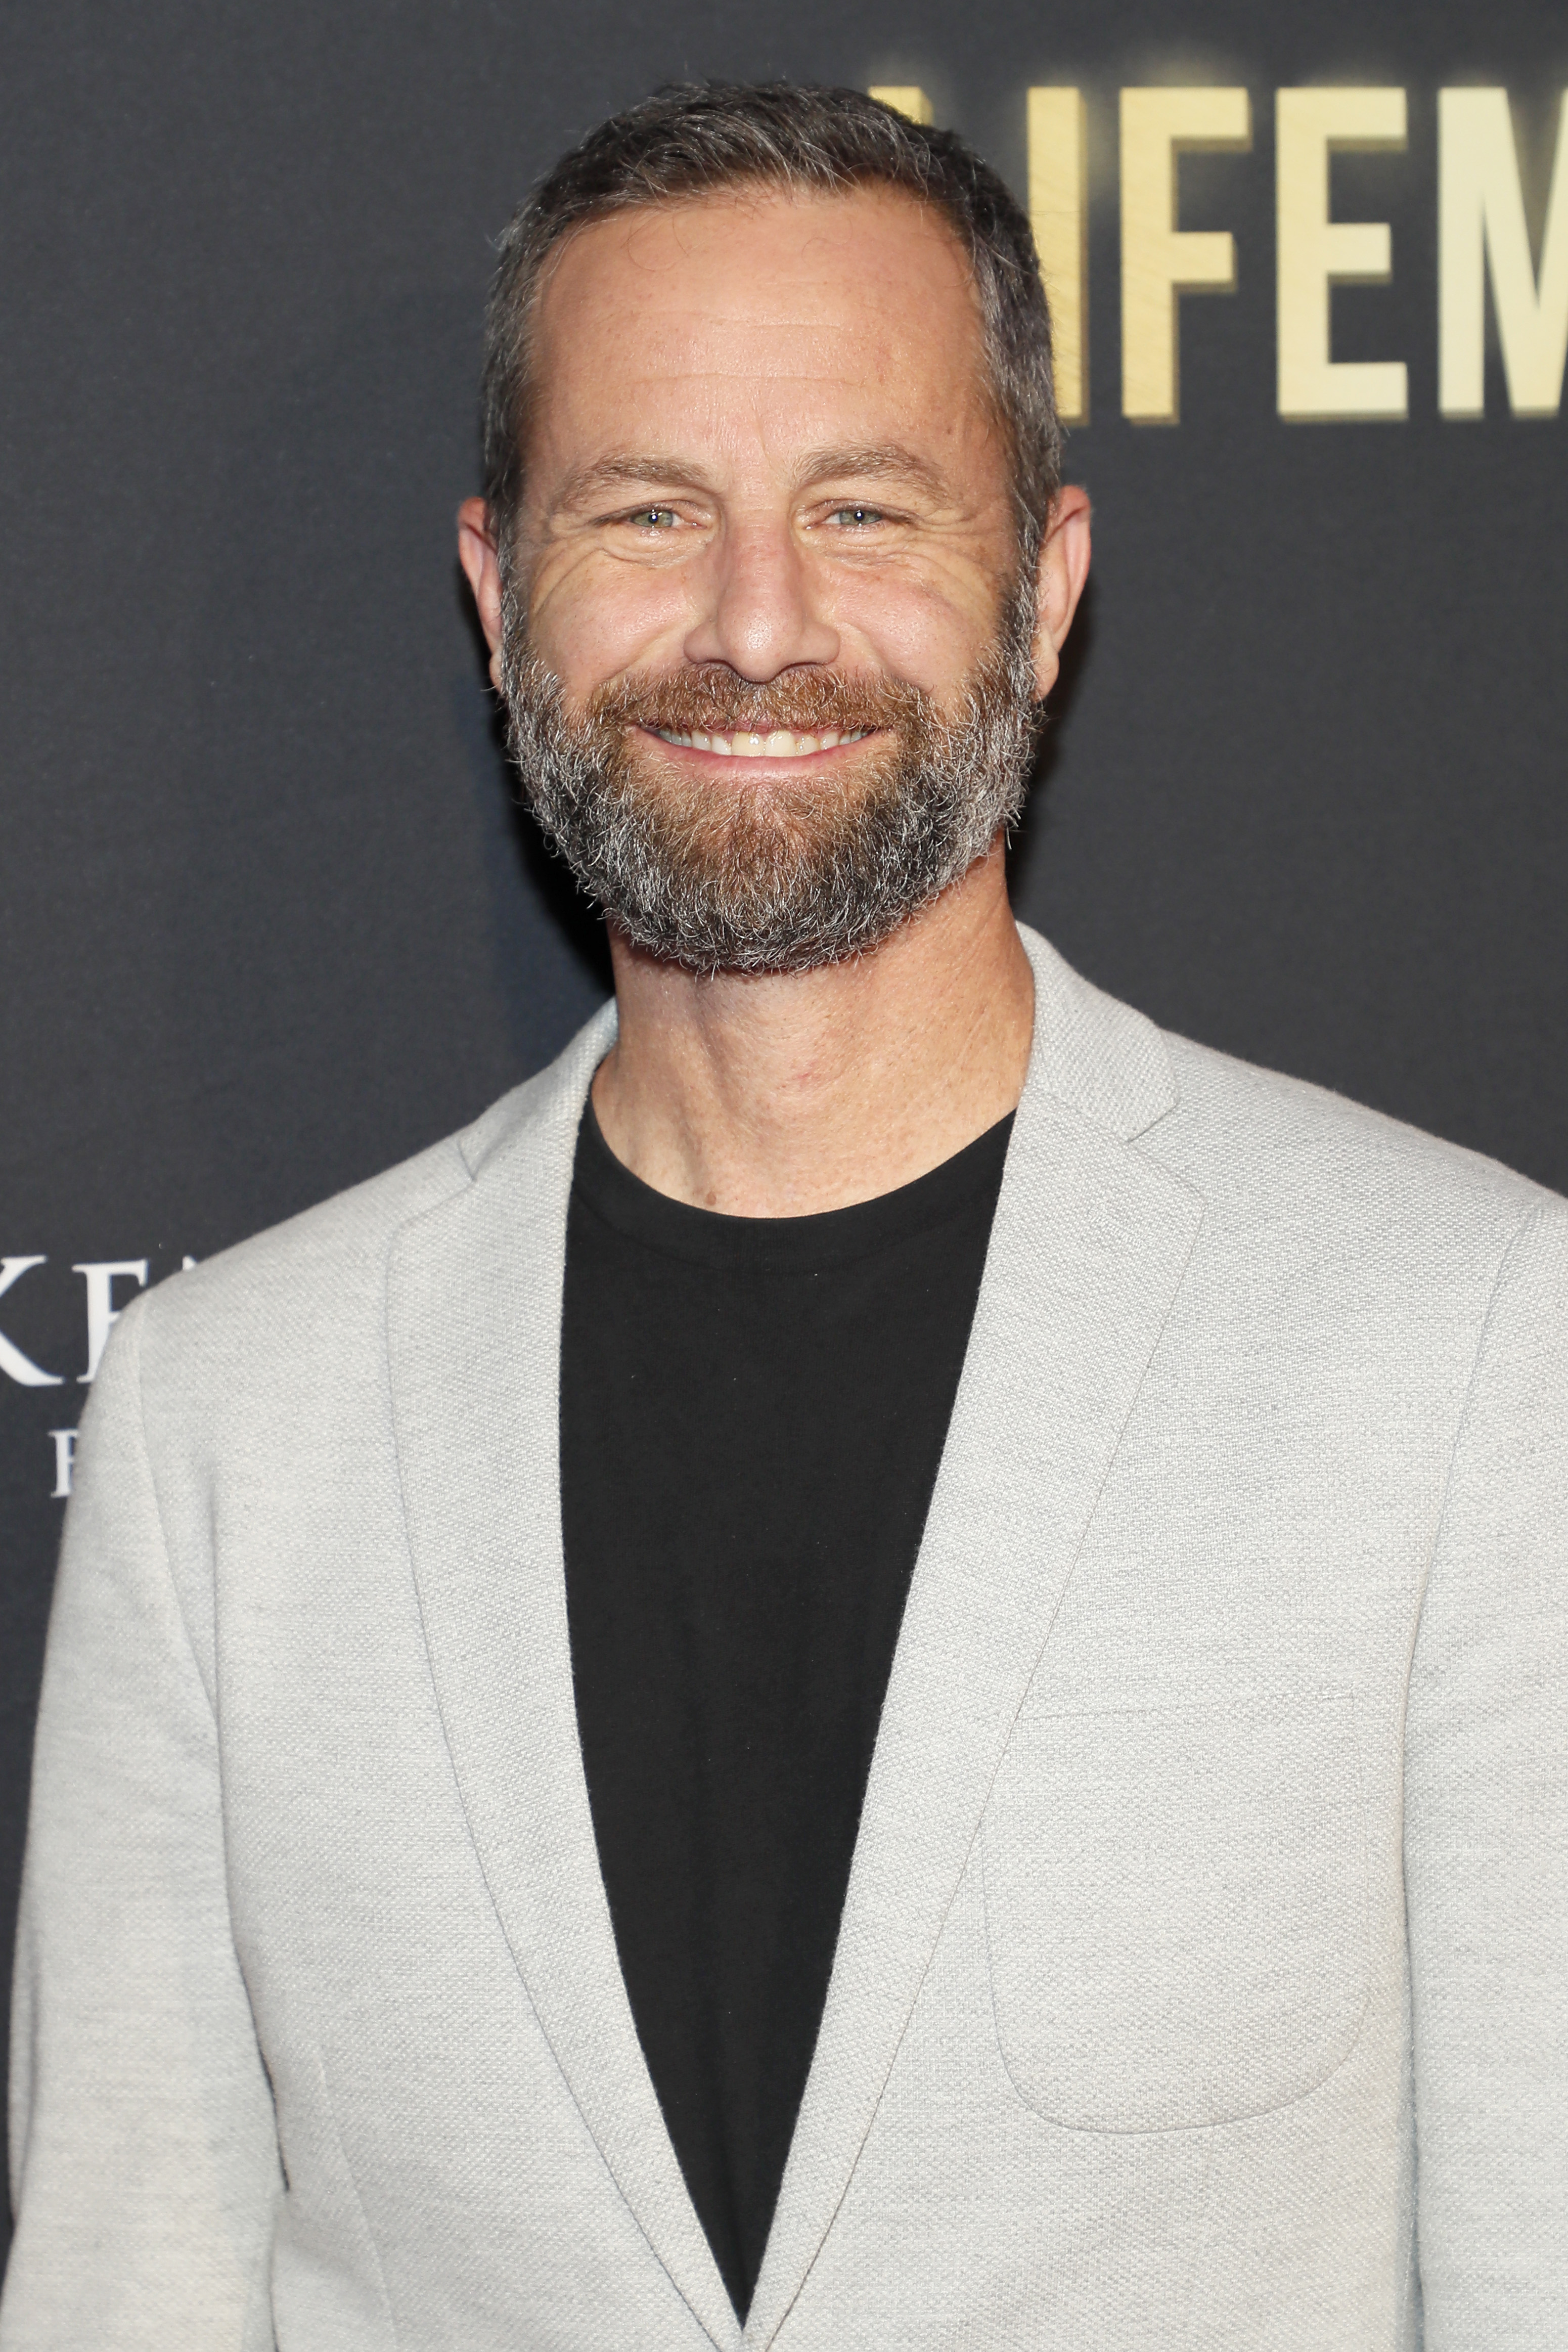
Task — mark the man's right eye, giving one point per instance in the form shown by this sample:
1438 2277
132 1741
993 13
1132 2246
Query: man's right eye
652 517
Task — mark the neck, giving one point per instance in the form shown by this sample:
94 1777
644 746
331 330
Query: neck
786 1095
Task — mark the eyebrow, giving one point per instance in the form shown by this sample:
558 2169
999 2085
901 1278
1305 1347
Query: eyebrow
621 473
882 462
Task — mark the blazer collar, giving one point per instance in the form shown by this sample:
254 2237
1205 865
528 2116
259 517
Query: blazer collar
1087 1251
1091 1053
474 1329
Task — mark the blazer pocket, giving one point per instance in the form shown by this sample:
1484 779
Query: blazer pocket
1176 1908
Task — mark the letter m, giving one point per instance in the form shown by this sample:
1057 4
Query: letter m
1480 218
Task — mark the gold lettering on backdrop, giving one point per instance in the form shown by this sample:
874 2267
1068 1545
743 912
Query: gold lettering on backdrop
905 98
1482 235
1480 218
1317 253
1059 216
1160 261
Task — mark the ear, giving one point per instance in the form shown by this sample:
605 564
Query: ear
476 554
1064 569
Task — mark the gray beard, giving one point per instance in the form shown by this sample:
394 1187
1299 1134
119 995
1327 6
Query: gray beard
782 879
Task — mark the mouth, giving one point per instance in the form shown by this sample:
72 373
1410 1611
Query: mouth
782 743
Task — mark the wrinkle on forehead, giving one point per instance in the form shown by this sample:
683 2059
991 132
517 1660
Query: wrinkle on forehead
797 322
843 270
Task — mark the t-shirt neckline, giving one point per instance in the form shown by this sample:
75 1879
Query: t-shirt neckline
783 1244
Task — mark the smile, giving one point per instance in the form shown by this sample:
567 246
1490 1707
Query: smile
781 744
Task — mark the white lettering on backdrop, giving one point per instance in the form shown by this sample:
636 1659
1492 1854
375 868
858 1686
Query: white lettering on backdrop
100 1276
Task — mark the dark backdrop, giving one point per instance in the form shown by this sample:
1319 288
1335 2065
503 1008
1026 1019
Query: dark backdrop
270 919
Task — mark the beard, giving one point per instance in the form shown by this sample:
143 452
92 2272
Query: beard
774 877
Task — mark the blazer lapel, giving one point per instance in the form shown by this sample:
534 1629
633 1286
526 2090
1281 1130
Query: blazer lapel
1088 1250
475 1301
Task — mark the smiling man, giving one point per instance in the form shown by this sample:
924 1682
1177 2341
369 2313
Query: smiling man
882 1668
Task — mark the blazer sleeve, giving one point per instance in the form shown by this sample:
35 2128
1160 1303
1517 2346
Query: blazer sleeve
1486 1835
145 2160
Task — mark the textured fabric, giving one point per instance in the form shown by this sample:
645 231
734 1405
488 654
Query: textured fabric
752 1415
1240 1618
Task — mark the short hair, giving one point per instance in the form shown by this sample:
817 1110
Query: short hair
694 139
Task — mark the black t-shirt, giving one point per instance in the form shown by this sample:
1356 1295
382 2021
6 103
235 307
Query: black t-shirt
752 1415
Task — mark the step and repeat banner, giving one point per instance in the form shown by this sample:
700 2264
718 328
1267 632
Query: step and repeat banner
272 919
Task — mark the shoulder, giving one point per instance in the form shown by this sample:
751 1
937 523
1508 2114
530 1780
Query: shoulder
1266 1152
303 1295
305 1300
1273 1152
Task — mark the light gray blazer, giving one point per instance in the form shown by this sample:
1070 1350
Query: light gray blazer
1202 1979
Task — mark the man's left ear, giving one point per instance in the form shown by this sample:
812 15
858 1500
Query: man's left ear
1064 569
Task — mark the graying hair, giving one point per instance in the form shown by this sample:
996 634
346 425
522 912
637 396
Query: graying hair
719 882
696 139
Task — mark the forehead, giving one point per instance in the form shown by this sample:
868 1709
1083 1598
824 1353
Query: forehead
761 313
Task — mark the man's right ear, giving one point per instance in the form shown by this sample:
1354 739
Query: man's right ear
476 554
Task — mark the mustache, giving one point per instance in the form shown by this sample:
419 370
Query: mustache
711 698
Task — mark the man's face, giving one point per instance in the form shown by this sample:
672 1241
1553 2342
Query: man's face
769 659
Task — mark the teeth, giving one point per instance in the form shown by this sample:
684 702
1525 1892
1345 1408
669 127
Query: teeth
781 744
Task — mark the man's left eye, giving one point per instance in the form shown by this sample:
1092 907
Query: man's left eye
857 518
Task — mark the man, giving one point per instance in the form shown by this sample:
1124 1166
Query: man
882 1666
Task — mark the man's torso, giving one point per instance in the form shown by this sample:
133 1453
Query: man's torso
1117 2047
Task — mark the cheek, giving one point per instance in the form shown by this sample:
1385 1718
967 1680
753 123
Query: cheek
928 627
592 619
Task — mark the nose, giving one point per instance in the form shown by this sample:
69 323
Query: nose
760 611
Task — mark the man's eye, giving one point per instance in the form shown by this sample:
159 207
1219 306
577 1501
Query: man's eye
652 517
857 518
